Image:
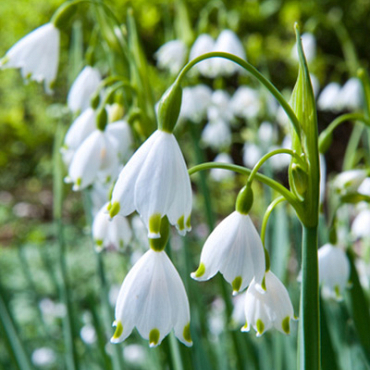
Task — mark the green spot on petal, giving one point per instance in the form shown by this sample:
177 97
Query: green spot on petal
99 242
337 292
78 182
260 326
187 224
186 333
245 326
155 223
119 329
286 325
180 223
237 283
114 209
109 206
201 270
263 284
153 337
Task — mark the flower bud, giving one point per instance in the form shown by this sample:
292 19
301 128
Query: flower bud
244 201
101 119
169 108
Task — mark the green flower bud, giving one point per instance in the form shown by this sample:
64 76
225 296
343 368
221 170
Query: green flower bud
169 108
244 200
101 119
95 101
160 243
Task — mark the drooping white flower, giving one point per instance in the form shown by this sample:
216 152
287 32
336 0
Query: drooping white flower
121 137
218 174
80 129
202 45
195 102
82 89
267 308
109 232
235 249
251 154
217 135
360 226
246 102
364 188
309 47
172 56
152 299
350 95
329 97
266 134
333 270
37 55
155 182
227 42
349 181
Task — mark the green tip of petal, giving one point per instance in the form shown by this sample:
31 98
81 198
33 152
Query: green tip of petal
78 182
337 292
109 206
114 209
99 242
263 284
245 327
181 223
236 284
4 60
154 337
155 223
285 324
187 223
186 333
260 327
200 272
119 330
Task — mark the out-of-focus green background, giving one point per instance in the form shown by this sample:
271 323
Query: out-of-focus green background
28 120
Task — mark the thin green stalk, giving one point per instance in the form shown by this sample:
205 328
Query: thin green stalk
71 355
349 160
254 72
15 342
309 341
290 197
175 353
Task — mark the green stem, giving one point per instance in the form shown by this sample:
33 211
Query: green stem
290 197
253 71
309 333
71 354
271 154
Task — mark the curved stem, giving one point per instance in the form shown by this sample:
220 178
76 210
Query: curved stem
271 154
290 197
116 87
252 70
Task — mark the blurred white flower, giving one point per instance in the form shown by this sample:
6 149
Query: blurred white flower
329 97
281 161
322 177
251 154
349 181
37 55
219 108
246 103
315 85
364 188
153 299
88 334
217 135
361 225
333 270
195 102
43 356
172 56
134 353
309 47
202 45
155 182
266 134
235 249
238 315
350 95
268 308
109 232
218 174
82 89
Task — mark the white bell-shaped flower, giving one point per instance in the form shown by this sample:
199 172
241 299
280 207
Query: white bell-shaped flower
227 42
329 97
82 89
364 188
81 128
96 154
195 102
153 299
217 135
269 307
155 182
235 249
349 181
37 55
334 270
246 102
172 56
203 44
120 135
109 232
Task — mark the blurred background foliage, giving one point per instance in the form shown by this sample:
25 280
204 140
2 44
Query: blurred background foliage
28 120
